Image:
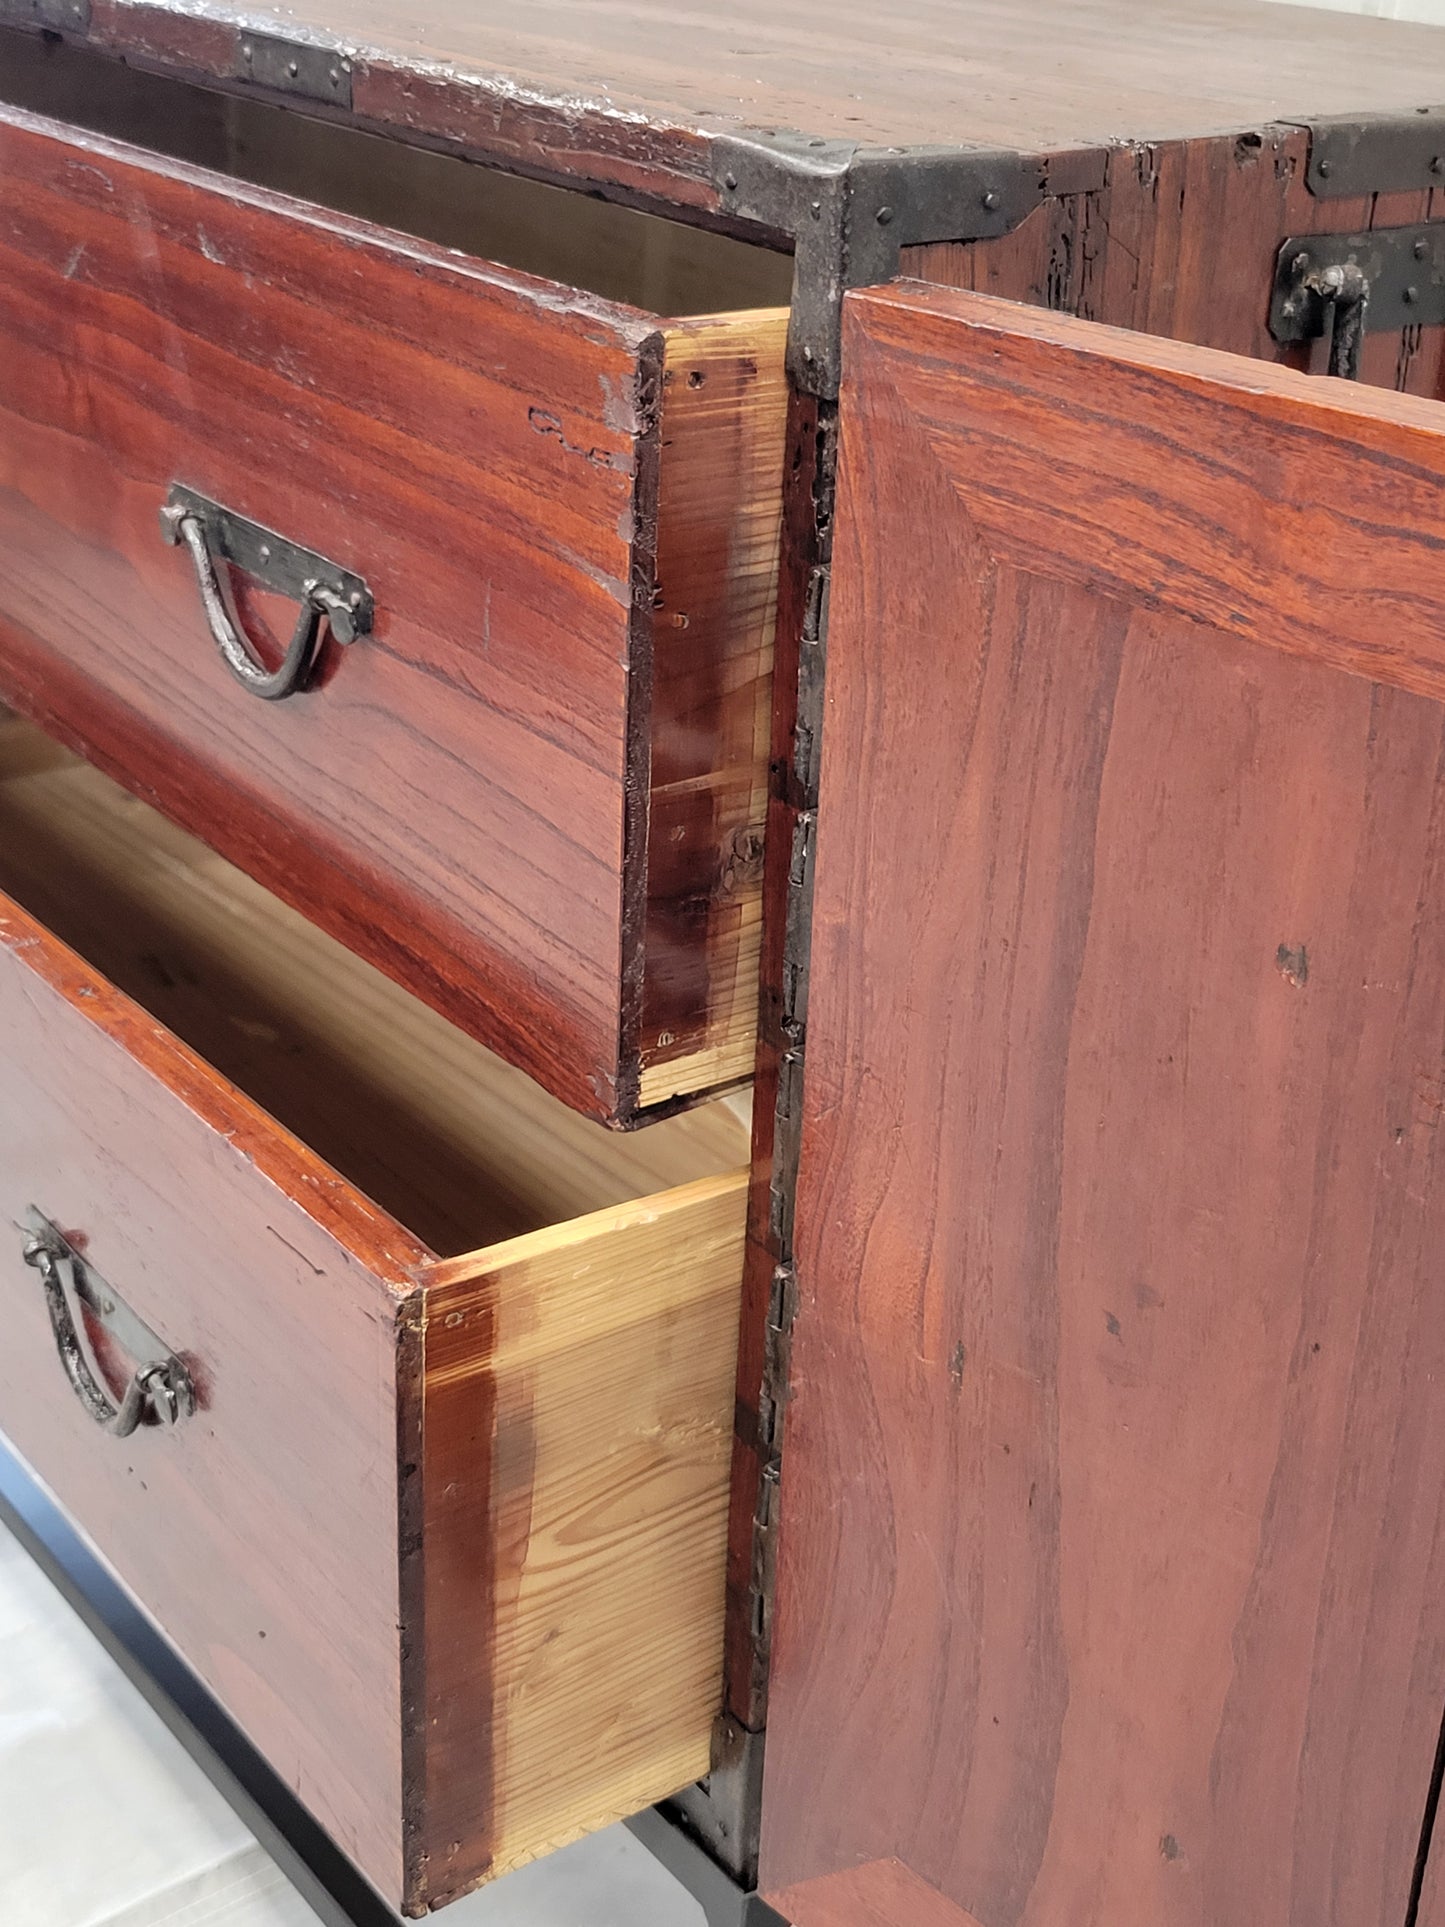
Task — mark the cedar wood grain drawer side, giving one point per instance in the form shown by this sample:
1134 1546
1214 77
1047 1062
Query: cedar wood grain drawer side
445 1534
533 794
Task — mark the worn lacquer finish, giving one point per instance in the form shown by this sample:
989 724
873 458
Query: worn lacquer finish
632 94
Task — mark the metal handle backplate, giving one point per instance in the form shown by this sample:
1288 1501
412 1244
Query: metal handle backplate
217 539
160 1389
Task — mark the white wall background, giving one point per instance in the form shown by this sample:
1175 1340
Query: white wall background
1430 11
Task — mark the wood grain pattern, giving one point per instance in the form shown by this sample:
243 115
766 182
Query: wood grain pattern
881 1893
592 1364
1117 1405
1191 482
262 1534
631 94
447 1535
724 422
464 798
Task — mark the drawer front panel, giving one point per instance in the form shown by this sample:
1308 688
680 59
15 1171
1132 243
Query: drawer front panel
262 1530
451 794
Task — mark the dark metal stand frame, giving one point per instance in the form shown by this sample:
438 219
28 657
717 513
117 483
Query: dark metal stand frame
310 1859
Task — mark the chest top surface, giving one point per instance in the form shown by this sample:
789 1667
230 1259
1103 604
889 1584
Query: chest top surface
636 91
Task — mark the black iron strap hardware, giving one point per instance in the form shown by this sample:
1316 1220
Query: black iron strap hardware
55 16
216 536
1350 285
1388 154
160 1389
294 67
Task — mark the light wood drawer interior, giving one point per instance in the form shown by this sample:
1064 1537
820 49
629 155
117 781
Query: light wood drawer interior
488 1562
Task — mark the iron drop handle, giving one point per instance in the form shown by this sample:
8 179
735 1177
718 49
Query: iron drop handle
217 538
160 1387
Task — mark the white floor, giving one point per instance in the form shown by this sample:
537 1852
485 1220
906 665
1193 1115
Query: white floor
106 1822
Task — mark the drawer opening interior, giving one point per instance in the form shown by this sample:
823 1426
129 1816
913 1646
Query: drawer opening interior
459 1147
617 252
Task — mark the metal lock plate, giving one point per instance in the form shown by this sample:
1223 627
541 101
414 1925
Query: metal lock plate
1404 267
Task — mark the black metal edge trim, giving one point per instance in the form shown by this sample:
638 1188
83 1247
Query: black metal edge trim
306 1854
1389 154
307 68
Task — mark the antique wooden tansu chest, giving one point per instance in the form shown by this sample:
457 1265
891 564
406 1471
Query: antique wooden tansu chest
560 566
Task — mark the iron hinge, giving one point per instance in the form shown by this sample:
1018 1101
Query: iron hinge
811 663
1391 154
849 210
1347 285
782 1310
298 67
787 1136
799 920
765 1551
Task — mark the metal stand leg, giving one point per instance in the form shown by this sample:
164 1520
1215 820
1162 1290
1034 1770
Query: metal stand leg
721 1899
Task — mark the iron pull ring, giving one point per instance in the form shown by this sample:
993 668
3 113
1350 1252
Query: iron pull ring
160 1389
214 535
270 685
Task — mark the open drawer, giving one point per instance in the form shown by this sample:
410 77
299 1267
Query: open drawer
499 555
445 1533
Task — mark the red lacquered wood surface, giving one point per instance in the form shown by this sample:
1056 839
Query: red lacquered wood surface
463 798
1112 1582
263 1532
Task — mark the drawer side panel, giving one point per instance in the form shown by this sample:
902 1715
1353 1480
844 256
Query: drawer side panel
577 1438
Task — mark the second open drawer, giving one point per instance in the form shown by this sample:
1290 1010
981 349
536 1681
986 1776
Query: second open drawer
444 1533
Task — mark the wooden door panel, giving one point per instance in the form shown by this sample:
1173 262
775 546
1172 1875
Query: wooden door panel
1112 1585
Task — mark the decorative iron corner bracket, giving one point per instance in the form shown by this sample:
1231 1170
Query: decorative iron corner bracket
1392 154
849 210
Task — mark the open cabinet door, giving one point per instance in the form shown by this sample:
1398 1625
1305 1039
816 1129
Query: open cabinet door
1112 1585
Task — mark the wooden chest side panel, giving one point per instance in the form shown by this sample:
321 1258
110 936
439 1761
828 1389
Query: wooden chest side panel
450 799
262 1532
1113 1567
